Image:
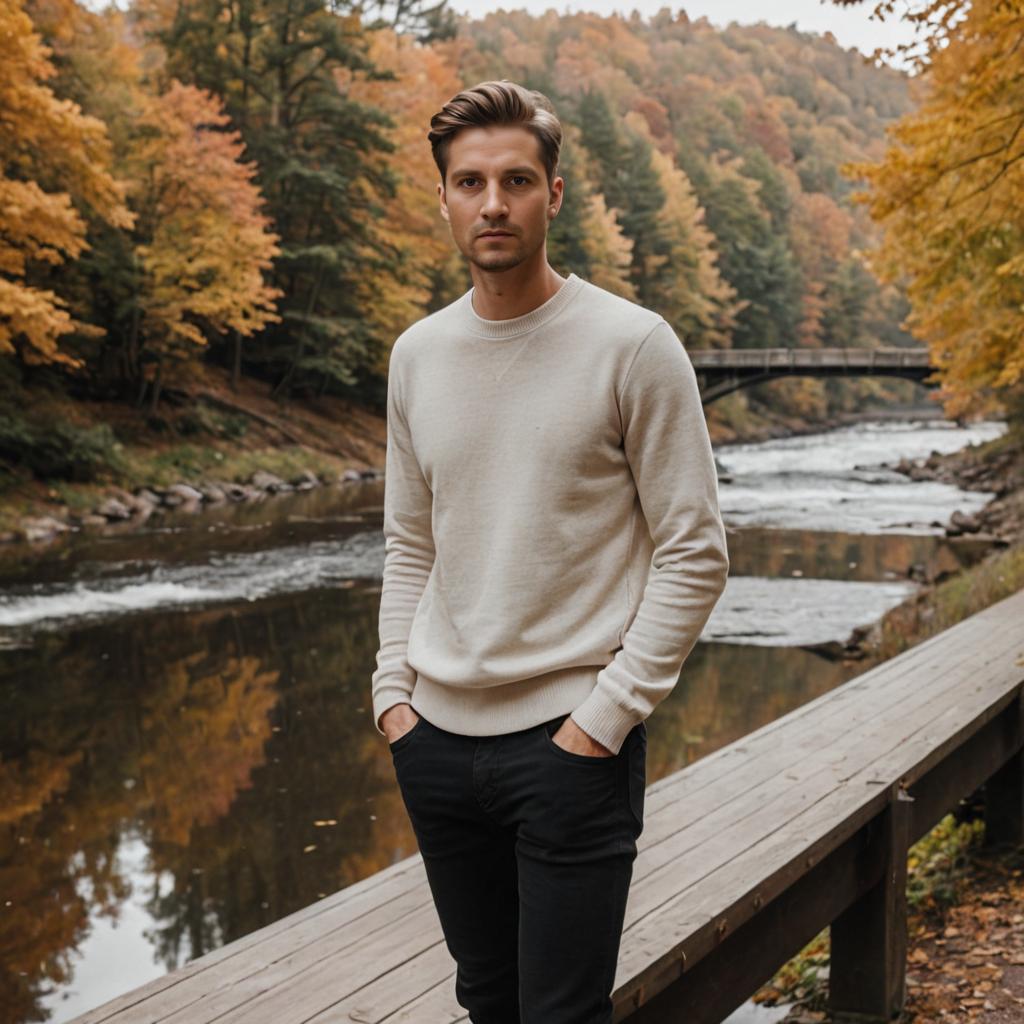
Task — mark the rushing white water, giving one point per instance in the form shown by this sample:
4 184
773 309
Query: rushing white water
814 483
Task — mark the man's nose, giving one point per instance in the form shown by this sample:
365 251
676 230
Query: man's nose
494 202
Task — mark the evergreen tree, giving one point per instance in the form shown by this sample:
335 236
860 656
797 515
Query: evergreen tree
642 223
605 146
567 250
755 260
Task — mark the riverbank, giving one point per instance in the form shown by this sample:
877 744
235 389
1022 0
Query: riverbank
86 466
105 466
966 948
997 467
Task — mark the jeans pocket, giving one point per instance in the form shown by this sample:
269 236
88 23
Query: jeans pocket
549 730
407 737
638 775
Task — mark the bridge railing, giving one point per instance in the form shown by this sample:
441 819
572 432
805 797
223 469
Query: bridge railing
768 359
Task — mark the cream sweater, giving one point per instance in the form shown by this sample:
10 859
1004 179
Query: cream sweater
552 532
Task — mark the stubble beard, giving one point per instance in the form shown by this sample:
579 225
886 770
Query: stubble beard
496 261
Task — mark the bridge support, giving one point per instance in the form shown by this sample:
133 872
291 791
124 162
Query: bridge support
867 972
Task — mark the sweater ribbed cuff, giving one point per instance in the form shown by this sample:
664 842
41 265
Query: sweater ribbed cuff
604 720
387 697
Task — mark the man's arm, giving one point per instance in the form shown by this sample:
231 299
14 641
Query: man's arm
665 438
408 559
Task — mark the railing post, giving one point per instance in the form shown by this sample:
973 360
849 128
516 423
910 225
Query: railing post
1004 795
867 972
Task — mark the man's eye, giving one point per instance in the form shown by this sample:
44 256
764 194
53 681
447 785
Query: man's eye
515 177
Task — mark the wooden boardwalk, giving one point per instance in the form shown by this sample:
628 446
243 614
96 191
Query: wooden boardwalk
745 856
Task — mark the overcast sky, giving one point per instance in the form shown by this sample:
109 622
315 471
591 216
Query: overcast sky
851 26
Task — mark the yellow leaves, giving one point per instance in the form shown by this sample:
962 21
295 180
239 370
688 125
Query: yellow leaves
411 224
35 316
207 241
43 139
947 194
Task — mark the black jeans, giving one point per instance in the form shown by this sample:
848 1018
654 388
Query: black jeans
529 850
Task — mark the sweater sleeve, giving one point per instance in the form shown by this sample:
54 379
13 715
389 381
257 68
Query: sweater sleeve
666 442
408 558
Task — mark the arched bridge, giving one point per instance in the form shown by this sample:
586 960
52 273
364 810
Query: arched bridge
721 371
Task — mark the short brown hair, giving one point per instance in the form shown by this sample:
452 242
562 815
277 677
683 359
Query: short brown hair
498 102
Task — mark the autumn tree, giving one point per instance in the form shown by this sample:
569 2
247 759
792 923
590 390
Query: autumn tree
820 239
947 194
277 68
426 275
54 170
205 242
754 258
688 291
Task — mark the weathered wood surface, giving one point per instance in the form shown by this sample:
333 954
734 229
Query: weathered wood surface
723 838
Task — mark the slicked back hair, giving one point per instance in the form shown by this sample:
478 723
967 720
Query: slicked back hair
497 103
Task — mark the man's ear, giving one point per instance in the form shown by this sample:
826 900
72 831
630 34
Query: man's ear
441 201
555 196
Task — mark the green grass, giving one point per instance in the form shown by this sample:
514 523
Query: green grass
998 575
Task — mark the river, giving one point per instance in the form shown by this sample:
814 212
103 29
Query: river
186 745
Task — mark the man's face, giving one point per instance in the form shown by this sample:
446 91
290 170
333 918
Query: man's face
496 182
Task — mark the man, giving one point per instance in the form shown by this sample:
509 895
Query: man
553 549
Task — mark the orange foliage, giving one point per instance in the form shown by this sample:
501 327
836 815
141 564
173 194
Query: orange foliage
52 156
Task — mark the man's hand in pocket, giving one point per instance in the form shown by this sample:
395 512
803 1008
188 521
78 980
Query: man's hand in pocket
397 721
572 738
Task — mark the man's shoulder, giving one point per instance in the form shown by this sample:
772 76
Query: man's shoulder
432 325
616 317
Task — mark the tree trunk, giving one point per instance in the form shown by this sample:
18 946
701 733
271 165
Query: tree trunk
236 368
157 382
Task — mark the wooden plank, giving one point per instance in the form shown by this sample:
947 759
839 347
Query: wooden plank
717 830
867 963
879 689
205 973
1004 794
960 773
343 985
412 929
379 1010
436 1004
653 947
379 999
881 684
744 959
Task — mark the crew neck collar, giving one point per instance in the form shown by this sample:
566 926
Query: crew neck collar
513 327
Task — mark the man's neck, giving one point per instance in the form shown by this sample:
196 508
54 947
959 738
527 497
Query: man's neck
512 293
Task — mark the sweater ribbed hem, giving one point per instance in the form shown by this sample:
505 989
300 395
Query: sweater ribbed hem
514 326
508 707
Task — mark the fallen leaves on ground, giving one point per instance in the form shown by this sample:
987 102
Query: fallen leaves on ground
965 962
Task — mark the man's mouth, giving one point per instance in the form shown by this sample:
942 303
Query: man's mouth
495 234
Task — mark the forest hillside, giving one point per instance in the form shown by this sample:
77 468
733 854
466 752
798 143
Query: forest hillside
212 205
